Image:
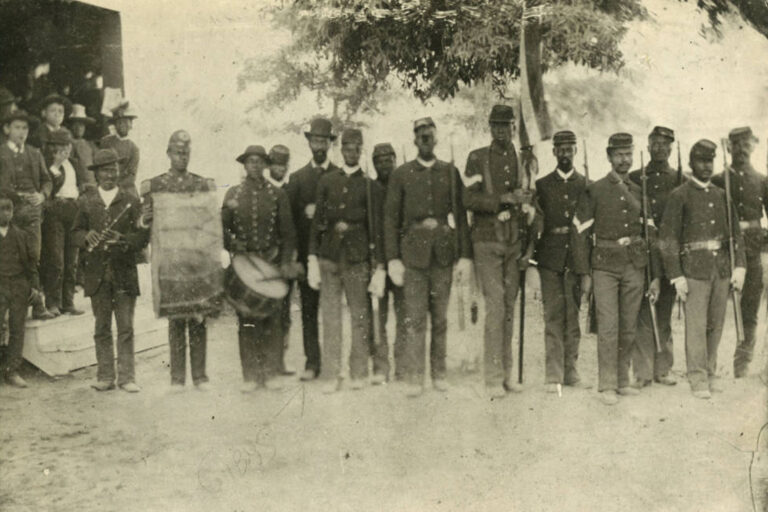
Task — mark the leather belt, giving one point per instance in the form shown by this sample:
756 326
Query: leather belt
613 244
704 245
562 230
749 224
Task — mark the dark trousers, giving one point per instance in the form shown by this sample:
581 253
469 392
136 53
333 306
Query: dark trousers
646 361
750 303
177 338
260 341
285 327
617 298
107 301
704 317
499 273
30 218
380 351
351 280
310 301
59 254
561 294
14 294
426 291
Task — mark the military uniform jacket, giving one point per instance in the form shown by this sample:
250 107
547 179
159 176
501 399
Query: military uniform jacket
490 172
417 228
174 182
661 181
749 193
556 200
30 160
119 260
259 214
698 214
128 152
302 191
610 209
340 227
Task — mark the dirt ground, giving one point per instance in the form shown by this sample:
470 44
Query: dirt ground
64 446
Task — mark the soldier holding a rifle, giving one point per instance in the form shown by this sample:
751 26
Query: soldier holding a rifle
703 257
496 194
611 208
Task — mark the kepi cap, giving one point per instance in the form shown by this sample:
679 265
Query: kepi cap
382 149
620 140
704 149
663 131
351 136
501 114
564 137
254 150
321 127
103 158
741 133
279 154
424 122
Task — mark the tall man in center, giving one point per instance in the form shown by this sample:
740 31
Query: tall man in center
302 190
425 232
495 194
340 260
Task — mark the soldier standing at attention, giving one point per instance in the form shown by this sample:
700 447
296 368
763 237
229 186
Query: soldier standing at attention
384 159
557 195
694 236
179 180
749 193
611 208
256 218
302 190
496 195
662 179
422 245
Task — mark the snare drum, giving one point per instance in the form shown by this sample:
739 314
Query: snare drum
254 287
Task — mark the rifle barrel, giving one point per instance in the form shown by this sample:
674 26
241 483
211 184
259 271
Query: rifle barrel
735 294
648 258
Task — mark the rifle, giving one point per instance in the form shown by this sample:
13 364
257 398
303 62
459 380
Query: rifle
372 257
648 276
735 294
455 208
679 182
529 171
591 306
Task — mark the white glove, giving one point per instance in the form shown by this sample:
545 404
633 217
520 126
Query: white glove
309 210
463 270
378 283
313 273
681 287
396 272
737 278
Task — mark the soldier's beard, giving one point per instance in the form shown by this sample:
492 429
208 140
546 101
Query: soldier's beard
319 156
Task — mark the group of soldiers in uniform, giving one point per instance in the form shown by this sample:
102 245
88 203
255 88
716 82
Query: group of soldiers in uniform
648 234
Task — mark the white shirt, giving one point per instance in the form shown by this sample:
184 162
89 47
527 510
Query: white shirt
701 184
349 171
273 181
15 148
69 188
108 195
4 231
425 163
323 165
565 175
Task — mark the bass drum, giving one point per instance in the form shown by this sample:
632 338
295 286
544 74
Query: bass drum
254 287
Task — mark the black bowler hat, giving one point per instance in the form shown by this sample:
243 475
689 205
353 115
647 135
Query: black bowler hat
564 137
321 127
103 158
254 150
501 114
663 131
703 150
620 140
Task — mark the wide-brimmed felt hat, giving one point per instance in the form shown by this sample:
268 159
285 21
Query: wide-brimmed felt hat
17 115
320 127
79 114
104 157
254 150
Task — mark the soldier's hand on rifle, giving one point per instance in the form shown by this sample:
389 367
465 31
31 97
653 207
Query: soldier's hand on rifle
309 210
525 259
586 286
92 238
313 272
737 278
463 270
681 287
653 290
396 272
378 283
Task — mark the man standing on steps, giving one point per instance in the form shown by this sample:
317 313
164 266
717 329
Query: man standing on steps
749 195
495 194
425 233
302 191
557 195
650 365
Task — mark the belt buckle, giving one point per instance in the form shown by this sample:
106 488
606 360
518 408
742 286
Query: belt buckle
624 241
341 226
429 223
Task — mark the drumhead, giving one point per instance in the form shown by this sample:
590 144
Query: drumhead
260 276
